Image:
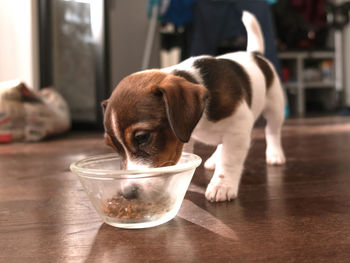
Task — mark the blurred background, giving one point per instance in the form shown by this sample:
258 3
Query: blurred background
83 48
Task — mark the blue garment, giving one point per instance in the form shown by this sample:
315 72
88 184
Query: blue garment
179 12
215 21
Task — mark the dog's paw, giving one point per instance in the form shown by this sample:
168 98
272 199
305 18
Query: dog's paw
275 158
220 192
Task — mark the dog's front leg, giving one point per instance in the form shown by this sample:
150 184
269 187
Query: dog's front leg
229 166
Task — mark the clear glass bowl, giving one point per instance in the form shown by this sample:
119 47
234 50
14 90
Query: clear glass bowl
135 198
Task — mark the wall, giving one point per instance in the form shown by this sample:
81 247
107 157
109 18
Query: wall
346 44
18 45
128 27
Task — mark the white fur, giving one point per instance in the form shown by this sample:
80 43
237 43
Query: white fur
188 66
254 35
130 164
133 165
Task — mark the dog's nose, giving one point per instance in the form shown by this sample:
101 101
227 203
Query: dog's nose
131 192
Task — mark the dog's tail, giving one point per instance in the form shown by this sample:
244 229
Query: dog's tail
255 38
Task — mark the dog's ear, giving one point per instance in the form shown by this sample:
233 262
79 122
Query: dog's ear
104 105
185 102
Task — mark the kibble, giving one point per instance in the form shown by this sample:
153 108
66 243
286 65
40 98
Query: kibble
120 207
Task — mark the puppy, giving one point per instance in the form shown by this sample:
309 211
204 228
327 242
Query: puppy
151 114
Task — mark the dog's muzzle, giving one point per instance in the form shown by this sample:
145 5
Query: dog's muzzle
131 191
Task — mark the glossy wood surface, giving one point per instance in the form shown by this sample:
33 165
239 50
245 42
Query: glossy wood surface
299 212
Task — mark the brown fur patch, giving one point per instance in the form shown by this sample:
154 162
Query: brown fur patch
171 152
265 68
186 75
185 103
228 85
113 142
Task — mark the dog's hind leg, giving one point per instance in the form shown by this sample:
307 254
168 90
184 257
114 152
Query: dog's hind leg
274 115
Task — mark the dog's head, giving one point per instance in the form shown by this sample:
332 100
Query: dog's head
150 115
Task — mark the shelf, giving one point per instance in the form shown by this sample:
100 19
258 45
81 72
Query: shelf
300 85
306 55
308 85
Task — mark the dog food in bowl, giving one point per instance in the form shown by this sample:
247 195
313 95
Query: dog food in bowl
135 210
135 198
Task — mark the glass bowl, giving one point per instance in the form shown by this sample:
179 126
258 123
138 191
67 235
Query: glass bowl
135 198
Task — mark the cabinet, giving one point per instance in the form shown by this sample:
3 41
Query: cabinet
303 70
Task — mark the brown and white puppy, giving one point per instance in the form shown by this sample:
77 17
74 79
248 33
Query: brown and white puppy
216 100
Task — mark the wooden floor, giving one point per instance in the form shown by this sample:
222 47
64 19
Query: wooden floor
296 213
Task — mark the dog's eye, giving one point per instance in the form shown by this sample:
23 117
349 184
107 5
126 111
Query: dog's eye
142 138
